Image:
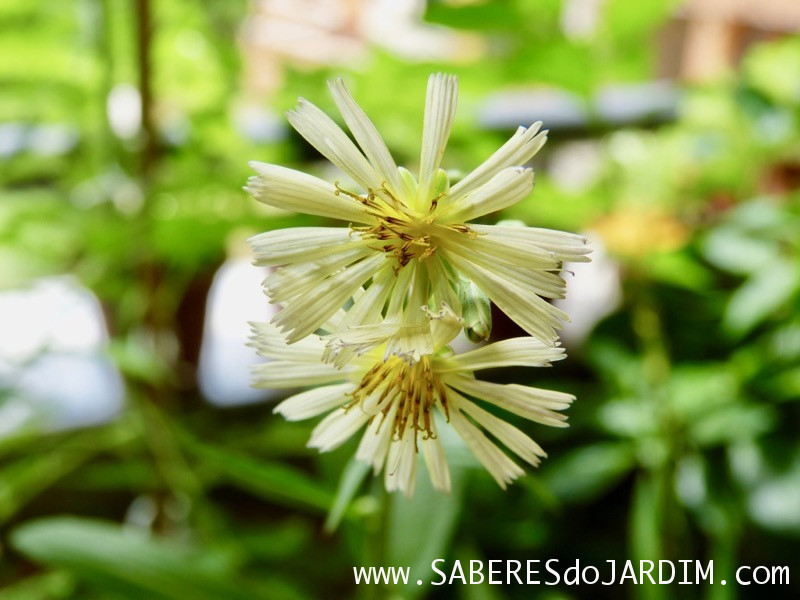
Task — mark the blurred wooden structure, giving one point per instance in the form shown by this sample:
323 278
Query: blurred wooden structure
316 33
304 33
708 37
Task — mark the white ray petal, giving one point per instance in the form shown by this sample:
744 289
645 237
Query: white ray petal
402 289
299 192
512 269
522 352
311 403
290 374
327 137
349 343
435 460
445 325
441 287
411 341
517 151
269 342
500 466
334 322
503 251
362 327
374 445
301 278
537 317
367 137
510 436
368 308
505 189
413 335
440 108
307 313
531 403
337 428
401 469
567 247
282 246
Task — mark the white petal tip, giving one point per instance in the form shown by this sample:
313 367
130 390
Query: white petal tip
259 167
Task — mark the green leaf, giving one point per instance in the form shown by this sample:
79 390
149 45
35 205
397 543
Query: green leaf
697 390
125 562
25 478
732 423
646 518
274 541
351 480
272 481
678 269
52 585
627 20
732 249
484 16
588 472
419 529
762 294
724 554
787 384
631 417
774 69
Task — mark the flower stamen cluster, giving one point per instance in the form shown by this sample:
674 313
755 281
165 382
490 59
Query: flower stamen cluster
412 386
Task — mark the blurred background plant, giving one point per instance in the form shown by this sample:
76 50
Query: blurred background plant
135 462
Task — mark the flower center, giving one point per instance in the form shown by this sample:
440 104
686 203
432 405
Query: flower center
409 391
400 231
406 239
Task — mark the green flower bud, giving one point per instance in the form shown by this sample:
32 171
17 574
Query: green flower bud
441 184
409 182
476 311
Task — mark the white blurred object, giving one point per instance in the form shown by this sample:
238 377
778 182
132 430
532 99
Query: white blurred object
592 293
579 18
258 123
398 26
558 109
235 298
124 108
620 104
52 366
775 502
313 33
307 31
576 166
52 140
13 139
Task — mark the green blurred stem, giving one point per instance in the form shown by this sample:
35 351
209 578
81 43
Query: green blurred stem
376 540
108 145
648 328
144 39
668 525
169 462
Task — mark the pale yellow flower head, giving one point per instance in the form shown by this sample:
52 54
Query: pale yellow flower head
409 240
400 404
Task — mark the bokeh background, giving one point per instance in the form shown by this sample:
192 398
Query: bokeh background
135 461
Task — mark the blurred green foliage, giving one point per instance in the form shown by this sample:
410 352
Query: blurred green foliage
684 439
